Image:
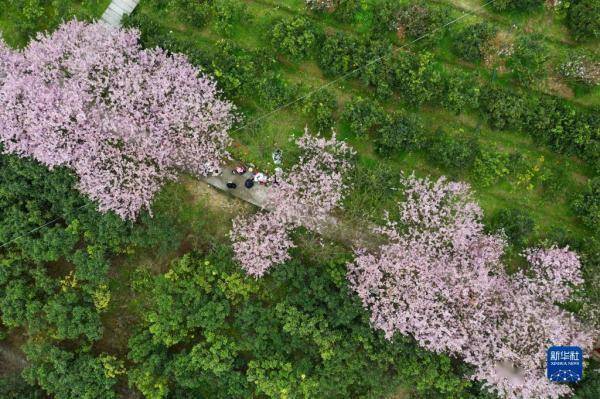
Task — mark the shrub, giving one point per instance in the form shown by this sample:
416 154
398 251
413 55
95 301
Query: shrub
470 41
294 37
346 10
339 54
417 78
420 19
320 106
274 91
528 59
587 205
401 133
460 91
503 109
451 152
490 167
363 115
227 14
519 5
583 19
516 223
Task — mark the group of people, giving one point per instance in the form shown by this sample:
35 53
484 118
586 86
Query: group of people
253 177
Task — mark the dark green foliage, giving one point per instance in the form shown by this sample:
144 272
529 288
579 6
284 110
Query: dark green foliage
294 37
363 115
516 223
529 58
417 78
452 152
470 41
401 133
503 109
589 387
320 106
587 205
296 333
69 375
583 19
14 387
346 10
519 5
460 91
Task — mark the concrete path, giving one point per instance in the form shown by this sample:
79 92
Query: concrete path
115 11
257 195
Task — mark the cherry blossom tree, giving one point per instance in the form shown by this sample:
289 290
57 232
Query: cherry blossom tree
305 196
126 120
439 278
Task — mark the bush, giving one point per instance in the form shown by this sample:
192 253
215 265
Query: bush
339 54
518 5
227 14
516 224
346 10
197 13
460 92
363 115
587 205
503 109
421 19
470 41
417 78
320 106
294 37
451 152
490 167
528 60
402 133
583 19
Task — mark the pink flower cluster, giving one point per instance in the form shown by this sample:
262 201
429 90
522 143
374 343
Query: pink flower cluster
440 279
126 120
305 196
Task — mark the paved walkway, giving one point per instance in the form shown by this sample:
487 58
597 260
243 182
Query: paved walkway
115 11
256 195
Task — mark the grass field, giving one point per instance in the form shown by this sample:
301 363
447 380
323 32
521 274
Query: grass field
255 142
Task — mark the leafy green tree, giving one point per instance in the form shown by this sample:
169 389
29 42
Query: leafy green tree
583 19
363 115
529 58
70 375
212 331
587 204
294 37
402 133
470 41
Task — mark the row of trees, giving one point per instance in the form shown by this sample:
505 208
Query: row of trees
417 18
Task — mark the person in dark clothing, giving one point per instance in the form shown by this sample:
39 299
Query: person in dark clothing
249 183
231 185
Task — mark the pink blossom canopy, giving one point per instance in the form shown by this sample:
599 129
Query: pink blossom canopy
123 118
440 279
305 196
